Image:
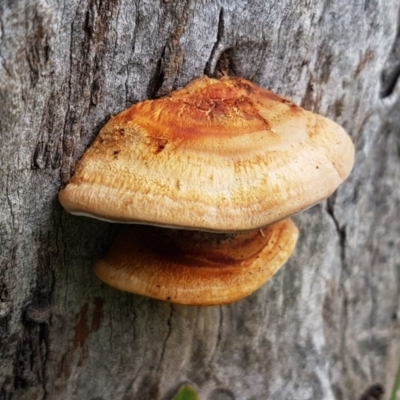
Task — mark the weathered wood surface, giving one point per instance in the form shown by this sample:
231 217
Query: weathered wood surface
326 326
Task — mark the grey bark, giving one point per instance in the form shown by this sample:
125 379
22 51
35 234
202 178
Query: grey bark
325 327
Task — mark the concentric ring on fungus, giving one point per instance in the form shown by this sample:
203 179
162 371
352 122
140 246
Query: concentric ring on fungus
219 155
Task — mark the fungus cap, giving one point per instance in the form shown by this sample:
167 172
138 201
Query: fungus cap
220 155
196 268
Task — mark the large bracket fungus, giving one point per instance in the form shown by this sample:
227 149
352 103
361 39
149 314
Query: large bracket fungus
217 156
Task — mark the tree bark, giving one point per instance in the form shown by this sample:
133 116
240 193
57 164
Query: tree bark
325 327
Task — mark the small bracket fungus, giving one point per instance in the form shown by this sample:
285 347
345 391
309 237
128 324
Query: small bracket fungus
193 267
219 155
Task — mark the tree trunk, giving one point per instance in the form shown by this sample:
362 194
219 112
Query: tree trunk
325 327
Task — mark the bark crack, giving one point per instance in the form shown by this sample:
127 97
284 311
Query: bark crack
218 341
341 231
342 235
133 50
66 147
164 347
172 57
391 70
217 48
9 201
389 80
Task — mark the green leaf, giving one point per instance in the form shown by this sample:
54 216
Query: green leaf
186 392
396 386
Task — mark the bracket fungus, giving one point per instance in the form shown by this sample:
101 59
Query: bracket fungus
193 267
223 156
